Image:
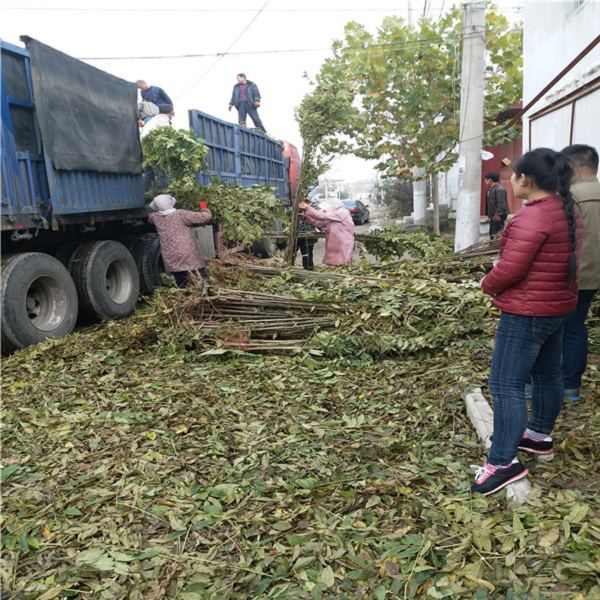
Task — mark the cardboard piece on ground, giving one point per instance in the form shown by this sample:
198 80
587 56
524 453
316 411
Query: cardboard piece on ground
482 417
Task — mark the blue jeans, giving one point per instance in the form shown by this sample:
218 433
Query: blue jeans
525 347
247 108
575 341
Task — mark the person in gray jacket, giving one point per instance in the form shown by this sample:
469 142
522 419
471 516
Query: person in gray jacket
246 99
585 188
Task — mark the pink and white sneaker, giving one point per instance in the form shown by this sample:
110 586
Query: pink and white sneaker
489 479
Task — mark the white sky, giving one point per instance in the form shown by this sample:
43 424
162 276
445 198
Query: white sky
123 28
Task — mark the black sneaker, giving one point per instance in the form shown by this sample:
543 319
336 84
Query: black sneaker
539 447
489 480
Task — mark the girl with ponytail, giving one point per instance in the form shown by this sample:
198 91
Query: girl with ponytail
534 284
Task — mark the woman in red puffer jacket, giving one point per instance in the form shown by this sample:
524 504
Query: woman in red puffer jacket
534 284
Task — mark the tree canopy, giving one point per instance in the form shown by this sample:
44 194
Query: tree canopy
405 81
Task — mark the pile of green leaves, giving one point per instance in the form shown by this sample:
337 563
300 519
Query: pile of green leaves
395 243
245 213
178 153
137 466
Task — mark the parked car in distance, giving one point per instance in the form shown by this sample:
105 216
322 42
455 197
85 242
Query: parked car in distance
358 210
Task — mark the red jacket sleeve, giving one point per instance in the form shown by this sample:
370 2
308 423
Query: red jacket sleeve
521 241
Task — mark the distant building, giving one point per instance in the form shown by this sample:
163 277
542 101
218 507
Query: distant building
554 34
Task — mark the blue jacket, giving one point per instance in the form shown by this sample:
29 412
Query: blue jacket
253 94
156 95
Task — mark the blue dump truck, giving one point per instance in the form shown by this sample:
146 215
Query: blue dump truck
76 244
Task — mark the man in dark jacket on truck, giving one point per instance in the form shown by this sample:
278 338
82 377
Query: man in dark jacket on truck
246 98
156 95
496 203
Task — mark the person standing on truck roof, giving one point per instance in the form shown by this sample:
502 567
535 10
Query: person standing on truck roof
155 94
177 244
246 99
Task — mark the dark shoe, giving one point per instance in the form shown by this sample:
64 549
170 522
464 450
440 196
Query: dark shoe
540 447
489 480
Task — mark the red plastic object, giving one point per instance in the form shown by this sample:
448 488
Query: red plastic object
202 204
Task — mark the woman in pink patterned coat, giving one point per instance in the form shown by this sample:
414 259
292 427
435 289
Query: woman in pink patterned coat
337 223
177 244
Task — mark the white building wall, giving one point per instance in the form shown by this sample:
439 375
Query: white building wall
554 34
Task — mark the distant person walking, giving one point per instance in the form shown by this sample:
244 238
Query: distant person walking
336 221
156 95
585 188
177 244
246 99
496 203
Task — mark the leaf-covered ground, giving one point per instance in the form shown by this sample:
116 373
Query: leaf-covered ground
141 462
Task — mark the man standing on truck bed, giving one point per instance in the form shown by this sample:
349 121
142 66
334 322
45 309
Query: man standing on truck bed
155 94
246 98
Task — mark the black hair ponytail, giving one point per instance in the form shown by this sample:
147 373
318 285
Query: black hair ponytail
565 173
552 171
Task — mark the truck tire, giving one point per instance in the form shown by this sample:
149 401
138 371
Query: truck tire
145 250
64 253
38 299
106 279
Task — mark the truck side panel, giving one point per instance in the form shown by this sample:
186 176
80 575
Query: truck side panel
32 189
239 156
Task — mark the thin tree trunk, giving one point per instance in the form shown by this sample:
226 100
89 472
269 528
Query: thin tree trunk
307 176
435 197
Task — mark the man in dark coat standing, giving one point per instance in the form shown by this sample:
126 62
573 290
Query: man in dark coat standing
496 203
246 98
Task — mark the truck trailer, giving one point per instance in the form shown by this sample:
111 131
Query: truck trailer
76 242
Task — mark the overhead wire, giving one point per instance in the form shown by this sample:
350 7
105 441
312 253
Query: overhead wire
417 42
147 10
224 54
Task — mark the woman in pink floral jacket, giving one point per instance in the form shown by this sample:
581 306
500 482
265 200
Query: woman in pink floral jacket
337 223
177 244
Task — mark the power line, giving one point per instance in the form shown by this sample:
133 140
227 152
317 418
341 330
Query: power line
279 51
221 56
84 9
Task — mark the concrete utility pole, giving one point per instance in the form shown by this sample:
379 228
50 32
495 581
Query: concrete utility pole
419 196
471 126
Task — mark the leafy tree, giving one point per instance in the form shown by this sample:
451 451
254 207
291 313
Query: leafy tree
322 115
406 85
396 195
